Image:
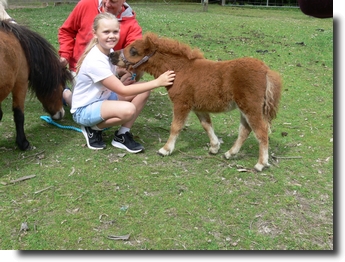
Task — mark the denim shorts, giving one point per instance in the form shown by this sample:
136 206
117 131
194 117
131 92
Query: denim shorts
90 115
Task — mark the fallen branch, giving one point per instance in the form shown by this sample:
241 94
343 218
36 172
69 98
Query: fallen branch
73 170
42 190
39 153
22 179
125 237
286 157
24 157
78 197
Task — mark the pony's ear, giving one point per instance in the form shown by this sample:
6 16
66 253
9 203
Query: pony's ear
150 40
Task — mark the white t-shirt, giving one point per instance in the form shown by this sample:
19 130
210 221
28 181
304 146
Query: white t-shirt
88 88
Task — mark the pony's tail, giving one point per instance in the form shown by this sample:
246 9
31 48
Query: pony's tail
272 95
46 72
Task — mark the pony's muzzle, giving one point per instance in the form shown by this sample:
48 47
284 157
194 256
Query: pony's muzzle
59 115
116 59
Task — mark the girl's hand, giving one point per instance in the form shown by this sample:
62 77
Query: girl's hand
121 71
126 79
167 78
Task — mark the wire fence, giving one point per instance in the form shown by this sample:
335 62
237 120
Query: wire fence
36 2
29 3
287 3
263 3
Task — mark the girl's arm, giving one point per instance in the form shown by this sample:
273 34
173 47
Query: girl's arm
114 84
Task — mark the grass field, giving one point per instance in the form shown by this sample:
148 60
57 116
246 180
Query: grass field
190 200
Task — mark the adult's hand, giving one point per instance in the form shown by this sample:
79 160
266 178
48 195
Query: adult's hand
63 61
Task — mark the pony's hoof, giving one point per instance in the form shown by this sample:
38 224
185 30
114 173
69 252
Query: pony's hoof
228 155
259 167
159 153
163 152
214 150
25 146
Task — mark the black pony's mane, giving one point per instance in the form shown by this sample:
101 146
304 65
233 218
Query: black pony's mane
45 70
171 46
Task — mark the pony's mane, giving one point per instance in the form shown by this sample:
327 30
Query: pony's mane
167 45
39 51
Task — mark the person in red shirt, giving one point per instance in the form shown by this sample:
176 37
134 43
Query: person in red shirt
76 32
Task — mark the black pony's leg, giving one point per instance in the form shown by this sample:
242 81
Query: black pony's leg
21 140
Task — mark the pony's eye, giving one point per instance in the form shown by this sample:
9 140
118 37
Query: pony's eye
133 51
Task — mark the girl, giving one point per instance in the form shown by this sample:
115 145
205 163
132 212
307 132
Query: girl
100 99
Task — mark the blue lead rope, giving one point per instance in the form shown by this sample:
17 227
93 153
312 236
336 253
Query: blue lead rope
49 120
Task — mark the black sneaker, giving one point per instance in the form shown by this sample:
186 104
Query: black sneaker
93 138
125 141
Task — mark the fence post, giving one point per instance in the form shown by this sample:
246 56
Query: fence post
205 5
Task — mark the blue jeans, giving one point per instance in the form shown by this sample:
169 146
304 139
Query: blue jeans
90 115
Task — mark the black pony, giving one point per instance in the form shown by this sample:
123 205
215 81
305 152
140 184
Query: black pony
28 61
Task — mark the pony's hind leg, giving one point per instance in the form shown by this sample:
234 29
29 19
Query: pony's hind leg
205 121
243 133
261 134
260 128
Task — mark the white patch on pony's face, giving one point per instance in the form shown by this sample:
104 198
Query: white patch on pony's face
59 115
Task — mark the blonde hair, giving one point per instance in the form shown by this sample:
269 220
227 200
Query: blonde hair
94 40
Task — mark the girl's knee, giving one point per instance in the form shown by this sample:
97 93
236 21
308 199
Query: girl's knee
130 110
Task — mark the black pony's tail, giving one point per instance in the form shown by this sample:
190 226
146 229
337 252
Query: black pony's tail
46 72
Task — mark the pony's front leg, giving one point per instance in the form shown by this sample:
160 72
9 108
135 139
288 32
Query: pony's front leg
169 146
18 95
205 121
21 140
177 124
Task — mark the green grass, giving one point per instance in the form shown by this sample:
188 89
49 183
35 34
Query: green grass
189 200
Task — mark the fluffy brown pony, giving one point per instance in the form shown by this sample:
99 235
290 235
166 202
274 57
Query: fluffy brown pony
204 86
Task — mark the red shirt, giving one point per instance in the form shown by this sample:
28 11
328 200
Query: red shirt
76 31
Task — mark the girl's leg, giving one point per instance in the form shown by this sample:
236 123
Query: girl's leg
139 102
116 113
